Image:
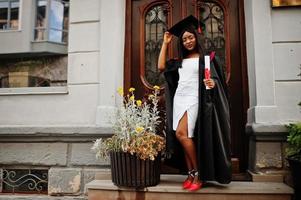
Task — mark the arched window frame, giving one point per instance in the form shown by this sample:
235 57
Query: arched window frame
143 12
224 5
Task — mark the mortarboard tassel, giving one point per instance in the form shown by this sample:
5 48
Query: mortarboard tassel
199 29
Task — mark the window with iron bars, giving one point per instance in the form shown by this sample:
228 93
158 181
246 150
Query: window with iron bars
30 181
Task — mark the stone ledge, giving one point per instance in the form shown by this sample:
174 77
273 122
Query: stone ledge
265 128
6 130
266 132
173 184
43 154
263 177
53 133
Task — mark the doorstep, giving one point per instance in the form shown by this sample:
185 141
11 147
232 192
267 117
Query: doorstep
170 186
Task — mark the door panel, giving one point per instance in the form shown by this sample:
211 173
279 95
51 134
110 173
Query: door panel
223 32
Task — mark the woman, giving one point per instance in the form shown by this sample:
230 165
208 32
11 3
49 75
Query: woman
197 118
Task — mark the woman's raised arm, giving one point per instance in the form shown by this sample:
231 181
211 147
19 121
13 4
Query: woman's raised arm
162 56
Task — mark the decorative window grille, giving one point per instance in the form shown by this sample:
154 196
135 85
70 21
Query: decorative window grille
212 15
24 181
155 26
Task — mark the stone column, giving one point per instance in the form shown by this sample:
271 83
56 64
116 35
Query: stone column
112 33
260 62
266 134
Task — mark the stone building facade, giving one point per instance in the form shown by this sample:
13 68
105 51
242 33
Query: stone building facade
52 128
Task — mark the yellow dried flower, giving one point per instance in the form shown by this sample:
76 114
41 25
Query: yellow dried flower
134 138
139 103
139 129
132 89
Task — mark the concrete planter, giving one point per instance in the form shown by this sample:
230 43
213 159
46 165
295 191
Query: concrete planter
130 171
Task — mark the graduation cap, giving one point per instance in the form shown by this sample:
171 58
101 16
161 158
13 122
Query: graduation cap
185 24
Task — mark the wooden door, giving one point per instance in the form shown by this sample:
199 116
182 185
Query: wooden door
147 20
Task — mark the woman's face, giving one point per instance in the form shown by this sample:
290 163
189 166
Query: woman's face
189 41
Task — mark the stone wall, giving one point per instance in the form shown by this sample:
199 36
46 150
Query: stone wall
267 160
70 165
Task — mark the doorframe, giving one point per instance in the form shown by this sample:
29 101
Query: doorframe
244 75
243 57
128 45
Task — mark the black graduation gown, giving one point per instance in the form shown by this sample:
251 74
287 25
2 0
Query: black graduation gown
212 130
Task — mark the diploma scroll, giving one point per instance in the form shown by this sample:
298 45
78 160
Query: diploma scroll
207 68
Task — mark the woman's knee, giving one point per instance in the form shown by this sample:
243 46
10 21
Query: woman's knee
181 134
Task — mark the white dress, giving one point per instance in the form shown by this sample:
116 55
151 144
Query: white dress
186 97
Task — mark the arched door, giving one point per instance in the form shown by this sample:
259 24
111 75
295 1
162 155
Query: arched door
147 20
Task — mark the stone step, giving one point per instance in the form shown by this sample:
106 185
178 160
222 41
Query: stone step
170 187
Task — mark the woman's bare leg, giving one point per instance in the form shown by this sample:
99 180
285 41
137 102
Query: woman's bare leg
187 144
188 162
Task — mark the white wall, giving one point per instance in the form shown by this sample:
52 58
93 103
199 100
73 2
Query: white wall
273 52
112 29
95 71
286 33
76 108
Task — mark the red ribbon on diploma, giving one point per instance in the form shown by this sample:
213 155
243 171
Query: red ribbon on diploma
207 73
207 67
